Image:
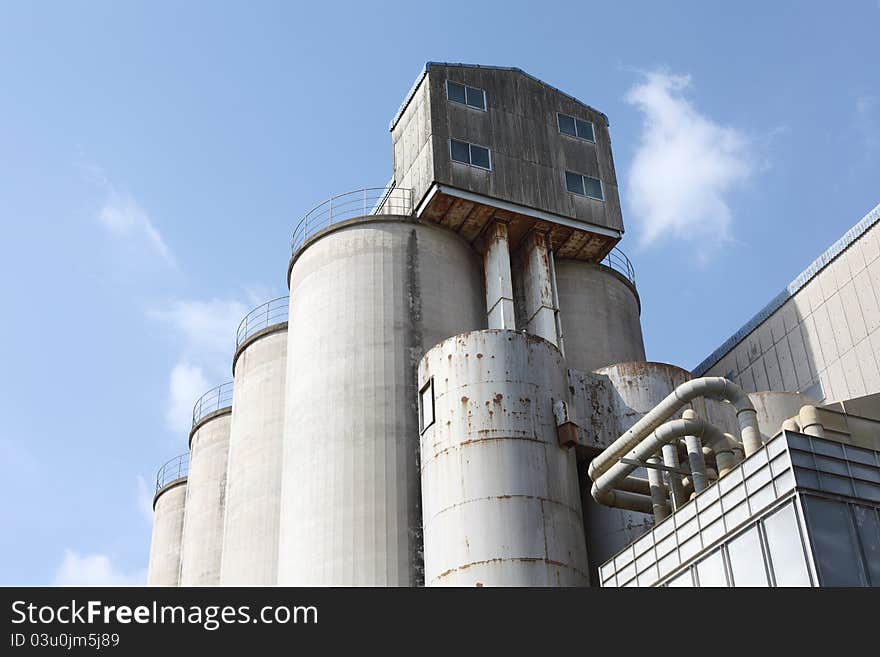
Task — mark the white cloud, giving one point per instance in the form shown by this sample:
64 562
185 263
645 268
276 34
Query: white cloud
187 383
684 167
94 570
206 328
124 217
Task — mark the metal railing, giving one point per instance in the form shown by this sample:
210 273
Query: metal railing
617 260
270 313
176 468
213 400
359 203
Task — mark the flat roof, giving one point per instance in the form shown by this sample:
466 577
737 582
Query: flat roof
791 289
428 66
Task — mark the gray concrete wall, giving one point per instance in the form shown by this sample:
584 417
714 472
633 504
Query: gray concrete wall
825 339
367 298
501 504
168 510
599 314
253 492
529 155
202 544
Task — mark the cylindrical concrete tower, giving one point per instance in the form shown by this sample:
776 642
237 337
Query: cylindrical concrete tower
206 488
253 491
635 389
169 504
367 297
500 497
599 309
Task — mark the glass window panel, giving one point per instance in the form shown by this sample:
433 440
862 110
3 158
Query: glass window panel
476 98
426 403
455 91
867 491
860 455
594 187
762 499
758 480
868 529
585 130
566 125
480 157
775 447
687 530
784 482
734 497
780 463
460 151
865 472
747 559
806 478
802 459
825 464
730 481
835 484
837 558
689 548
685 513
684 580
713 532
828 448
736 516
574 183
754 463
710 570
668 563
786 549
644 543
648 576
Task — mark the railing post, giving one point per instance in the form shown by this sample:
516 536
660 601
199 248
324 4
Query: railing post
365 202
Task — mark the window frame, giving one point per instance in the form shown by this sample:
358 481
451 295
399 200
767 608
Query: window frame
484 108
427 389
470 162
583 176
575 119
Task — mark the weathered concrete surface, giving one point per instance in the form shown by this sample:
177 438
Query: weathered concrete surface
350 503
521 131
168 510
600 316
501 505
253 492
774 408
202 544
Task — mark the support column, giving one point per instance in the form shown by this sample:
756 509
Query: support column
540 306
499 286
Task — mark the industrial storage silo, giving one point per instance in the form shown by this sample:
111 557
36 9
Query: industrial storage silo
599 310
501 503
367 297
253 491
206 488
169 504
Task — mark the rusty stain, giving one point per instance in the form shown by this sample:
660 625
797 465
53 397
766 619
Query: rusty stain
498 398
479 355
465 400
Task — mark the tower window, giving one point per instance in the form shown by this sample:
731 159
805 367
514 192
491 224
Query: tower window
583 185
426 405
477 156
568 125
470 96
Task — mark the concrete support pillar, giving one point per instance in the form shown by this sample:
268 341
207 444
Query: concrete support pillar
539 299
499 285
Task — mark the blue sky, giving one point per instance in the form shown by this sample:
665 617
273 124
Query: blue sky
155 156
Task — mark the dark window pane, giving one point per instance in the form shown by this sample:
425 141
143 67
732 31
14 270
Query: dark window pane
594 187
837 558
480 156
566 125
574 183
585 130
786 550
460 151
711 570
455 91
476 98
868 528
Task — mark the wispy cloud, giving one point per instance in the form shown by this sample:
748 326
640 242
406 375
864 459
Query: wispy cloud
205 332
94 570
685 166
124 218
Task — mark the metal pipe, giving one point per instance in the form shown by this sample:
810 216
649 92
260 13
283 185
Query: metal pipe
696 460
660 436
621 499
810 423
676 490
635 485
659 496
791 424
712 387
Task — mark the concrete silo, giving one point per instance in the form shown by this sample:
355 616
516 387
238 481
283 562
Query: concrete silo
367 297
501 504
250 540
169 504
599 309
205 494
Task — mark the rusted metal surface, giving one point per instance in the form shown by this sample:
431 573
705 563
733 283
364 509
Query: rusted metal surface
500 499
